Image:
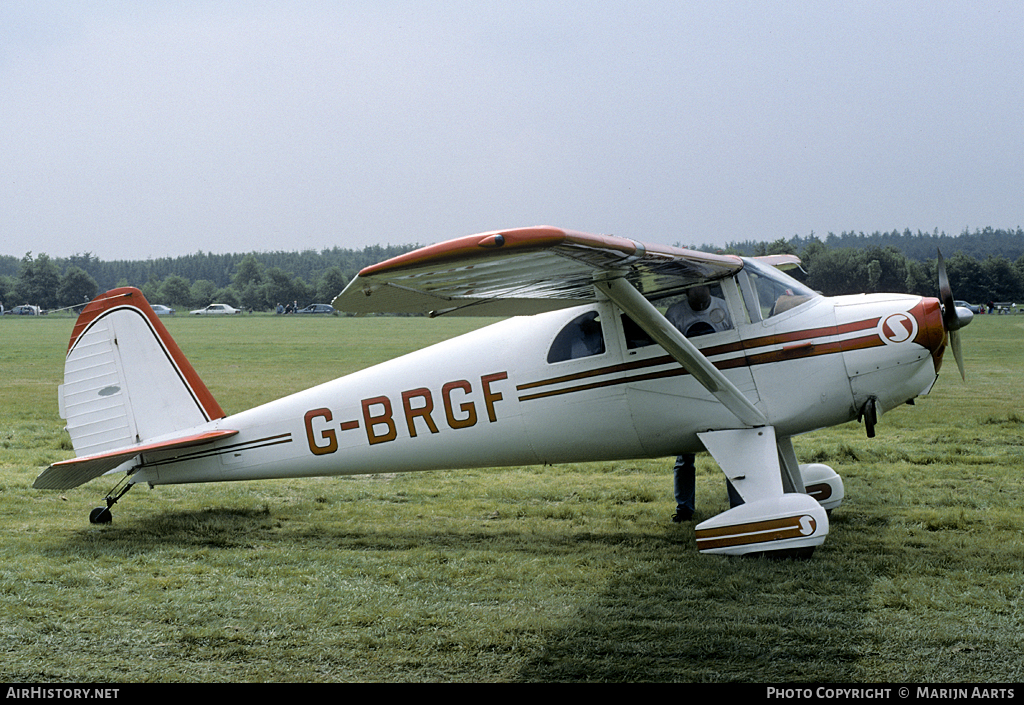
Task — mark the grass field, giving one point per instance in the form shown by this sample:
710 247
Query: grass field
565 573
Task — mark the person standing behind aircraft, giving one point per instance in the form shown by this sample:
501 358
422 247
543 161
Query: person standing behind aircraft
684 475
699 314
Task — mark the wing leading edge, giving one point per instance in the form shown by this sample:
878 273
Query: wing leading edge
523 271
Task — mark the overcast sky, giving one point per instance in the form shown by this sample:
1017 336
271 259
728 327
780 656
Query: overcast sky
155 128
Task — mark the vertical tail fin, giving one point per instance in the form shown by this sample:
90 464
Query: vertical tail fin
125 379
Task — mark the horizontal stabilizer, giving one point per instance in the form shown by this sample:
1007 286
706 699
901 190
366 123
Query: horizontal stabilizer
66 474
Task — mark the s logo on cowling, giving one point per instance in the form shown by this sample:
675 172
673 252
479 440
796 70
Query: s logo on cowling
897 328
807 525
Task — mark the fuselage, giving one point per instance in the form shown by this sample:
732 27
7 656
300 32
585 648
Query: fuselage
579 385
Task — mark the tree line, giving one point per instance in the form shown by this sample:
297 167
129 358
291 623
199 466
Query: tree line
919 246
983 266
257 281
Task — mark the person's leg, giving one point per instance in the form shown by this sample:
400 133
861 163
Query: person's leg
685 478
734 497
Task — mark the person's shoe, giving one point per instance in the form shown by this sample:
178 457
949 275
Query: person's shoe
682 515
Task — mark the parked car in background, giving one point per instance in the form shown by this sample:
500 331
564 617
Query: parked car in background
163 310
215 310
318 308
25 310
973 308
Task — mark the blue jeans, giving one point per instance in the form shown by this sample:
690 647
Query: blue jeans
685 480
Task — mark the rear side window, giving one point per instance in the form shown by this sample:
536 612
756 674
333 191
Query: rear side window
581 337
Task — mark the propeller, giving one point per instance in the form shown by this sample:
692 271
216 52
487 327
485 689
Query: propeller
953 318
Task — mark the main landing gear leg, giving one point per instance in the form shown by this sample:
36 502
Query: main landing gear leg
771 520
102 515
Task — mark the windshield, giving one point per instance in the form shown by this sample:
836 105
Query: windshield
768 291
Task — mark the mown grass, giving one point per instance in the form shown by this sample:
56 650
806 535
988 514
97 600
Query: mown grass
565 573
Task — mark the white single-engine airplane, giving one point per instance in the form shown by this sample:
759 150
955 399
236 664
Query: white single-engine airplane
595 372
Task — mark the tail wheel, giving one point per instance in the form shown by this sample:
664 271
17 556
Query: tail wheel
100 515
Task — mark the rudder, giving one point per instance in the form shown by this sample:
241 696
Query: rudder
125 379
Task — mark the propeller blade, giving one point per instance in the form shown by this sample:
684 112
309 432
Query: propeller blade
949 317
953 319
954 342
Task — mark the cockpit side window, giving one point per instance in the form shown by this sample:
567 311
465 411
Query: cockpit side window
581 337
768 292
701 310
636 337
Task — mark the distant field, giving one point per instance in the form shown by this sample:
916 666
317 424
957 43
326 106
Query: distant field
565 573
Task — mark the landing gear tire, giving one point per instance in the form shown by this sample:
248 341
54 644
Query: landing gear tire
870 414
100 515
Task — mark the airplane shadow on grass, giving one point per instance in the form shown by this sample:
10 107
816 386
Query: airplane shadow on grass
676 615
671 614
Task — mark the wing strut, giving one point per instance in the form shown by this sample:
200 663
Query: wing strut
626 297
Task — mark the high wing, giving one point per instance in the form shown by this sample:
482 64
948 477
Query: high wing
523 271
66 474
529 270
